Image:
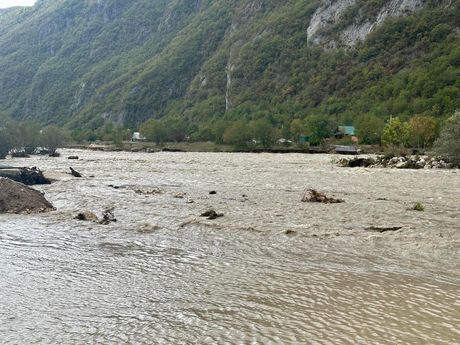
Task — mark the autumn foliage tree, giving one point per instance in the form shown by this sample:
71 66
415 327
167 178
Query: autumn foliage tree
448 143
423 130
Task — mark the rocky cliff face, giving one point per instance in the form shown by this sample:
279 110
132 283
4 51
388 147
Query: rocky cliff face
351 20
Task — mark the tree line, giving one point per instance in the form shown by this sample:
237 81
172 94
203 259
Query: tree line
25 138
259 130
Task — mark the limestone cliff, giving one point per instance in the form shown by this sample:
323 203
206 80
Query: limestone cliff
347 22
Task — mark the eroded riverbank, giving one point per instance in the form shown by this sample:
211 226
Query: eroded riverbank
272 269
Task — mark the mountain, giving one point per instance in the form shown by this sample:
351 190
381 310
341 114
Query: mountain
84 62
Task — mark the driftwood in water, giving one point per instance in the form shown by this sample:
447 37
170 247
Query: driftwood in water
74 172
383 229
107 217
311 195
27 176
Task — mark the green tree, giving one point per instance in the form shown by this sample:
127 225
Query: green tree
119 134
369 129
448 143
52 137
237 134
175 130
263 132
218 129
396 133
154 131
318 128
27 137
6 135
297 128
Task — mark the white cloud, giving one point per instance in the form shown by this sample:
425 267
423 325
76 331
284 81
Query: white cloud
11 3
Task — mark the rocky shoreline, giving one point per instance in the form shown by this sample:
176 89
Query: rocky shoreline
398 162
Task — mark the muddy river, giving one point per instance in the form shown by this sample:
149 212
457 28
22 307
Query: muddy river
273 270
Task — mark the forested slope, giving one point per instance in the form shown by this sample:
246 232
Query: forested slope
198 62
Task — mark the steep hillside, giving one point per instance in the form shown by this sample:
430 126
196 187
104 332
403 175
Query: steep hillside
84 62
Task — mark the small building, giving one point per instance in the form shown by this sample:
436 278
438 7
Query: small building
348 131
138 137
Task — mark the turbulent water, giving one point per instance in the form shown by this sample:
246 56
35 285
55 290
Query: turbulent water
273 270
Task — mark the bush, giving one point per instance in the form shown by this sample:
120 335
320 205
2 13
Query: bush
419 207
448 144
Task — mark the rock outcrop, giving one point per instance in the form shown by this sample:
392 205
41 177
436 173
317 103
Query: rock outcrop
351 22
18 198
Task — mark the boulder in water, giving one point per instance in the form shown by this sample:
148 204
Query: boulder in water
18 198
211 214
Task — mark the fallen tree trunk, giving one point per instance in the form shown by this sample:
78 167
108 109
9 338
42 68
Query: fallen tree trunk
27 176
383 229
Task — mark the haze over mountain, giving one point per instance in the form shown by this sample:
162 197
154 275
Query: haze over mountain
84 62
13 3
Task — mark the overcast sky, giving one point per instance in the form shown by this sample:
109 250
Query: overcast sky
10 3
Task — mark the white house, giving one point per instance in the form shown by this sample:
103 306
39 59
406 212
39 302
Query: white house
138 137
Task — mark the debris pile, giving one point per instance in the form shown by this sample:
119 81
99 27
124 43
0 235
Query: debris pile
108 217
311 195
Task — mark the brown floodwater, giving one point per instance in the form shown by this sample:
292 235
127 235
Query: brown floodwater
273 270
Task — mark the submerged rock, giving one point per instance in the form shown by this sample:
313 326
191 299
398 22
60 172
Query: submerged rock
211 214
18 198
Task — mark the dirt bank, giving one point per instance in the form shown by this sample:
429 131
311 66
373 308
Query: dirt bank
18 198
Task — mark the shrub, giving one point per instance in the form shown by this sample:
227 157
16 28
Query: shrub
419 207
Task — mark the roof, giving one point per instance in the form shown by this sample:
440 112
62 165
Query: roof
347 130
